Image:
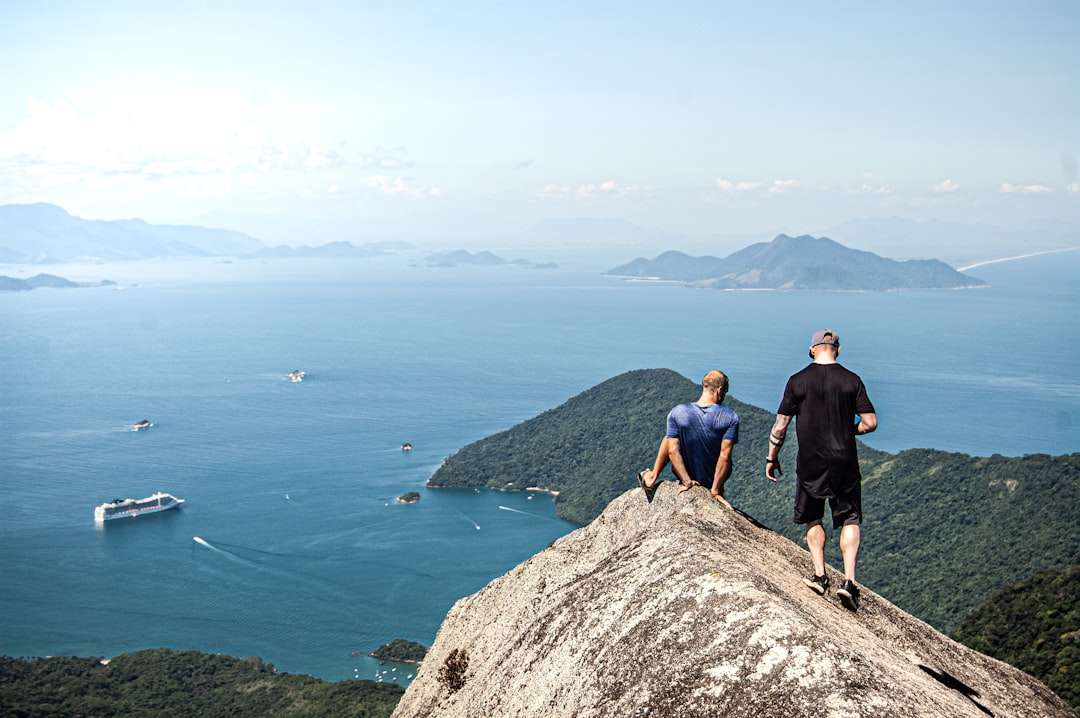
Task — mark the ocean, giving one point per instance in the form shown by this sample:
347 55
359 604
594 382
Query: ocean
304 557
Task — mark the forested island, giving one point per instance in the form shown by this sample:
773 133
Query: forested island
401 651
410 497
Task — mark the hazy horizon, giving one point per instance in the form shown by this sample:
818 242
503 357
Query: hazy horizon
419 120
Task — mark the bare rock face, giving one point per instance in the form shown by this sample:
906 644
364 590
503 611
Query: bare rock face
681 607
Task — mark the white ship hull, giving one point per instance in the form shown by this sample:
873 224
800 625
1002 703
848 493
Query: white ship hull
130 508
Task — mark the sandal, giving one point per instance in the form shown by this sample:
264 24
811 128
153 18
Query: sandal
650 491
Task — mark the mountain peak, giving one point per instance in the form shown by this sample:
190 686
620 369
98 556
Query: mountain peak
802 262
681 607
34 233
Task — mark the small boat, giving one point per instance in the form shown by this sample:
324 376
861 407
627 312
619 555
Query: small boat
296 375
123 508
144 424
406 447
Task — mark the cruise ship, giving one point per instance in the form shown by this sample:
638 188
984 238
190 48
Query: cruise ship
122 508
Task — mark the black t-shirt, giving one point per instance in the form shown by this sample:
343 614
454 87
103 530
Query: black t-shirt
824 399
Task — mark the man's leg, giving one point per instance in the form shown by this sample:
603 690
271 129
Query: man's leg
850 537
652 476
848 513
809 511
815 541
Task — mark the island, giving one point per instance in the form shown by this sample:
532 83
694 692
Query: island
408 498
399 651
484 258
49 281
798 263
296 375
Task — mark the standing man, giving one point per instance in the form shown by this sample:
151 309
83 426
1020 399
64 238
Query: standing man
832 407
699 441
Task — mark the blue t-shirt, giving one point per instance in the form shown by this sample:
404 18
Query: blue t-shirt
700 430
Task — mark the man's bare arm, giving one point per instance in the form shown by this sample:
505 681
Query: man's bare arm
677 465
776 442
723 471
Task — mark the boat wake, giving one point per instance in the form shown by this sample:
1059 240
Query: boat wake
469 519
317 585
528 513
227 554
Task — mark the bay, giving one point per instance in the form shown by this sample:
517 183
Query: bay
305 555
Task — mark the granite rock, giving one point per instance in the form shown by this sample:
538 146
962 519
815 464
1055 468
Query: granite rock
681 607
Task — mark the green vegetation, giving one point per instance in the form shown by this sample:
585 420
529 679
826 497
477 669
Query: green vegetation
162 683
400 650
943 531
410 497
454 670
589 449
1033 626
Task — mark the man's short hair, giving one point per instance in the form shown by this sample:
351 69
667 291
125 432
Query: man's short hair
714 380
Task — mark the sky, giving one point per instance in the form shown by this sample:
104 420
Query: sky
417 119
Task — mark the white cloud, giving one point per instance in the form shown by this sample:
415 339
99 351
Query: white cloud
729 186
386 159
159 138
1073 187
589 190
781 186
947 186
399 188
1024 188
323 160
551 190
876 189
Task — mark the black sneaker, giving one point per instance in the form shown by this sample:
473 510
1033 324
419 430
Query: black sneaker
849 595
818 584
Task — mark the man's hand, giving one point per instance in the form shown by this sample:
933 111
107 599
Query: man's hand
776 442
721 499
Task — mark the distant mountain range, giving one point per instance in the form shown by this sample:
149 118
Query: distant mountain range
47 234
802 262
44 233
46 280
484 258
331 250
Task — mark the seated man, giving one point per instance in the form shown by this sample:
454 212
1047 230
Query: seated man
699 441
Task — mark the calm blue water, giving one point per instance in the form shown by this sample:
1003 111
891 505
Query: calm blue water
292 485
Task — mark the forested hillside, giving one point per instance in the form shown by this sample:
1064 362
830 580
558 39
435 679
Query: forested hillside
163 683
1035 626
942 533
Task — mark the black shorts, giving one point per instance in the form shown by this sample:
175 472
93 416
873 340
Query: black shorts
846 506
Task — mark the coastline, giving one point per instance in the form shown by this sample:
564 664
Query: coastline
542 490
387 659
